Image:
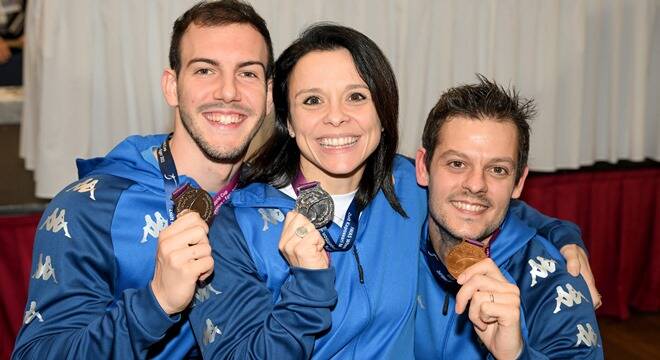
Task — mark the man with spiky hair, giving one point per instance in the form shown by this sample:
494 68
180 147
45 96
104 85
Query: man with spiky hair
116 262
489 285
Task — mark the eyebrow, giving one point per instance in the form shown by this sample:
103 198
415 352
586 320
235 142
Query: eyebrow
215 63
349 87
494 160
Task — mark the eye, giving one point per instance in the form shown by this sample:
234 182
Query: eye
249 74
203 71
500 171
456 164
356 96
312 100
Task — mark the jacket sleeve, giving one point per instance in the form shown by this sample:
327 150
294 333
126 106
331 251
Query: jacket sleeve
558 313
239 319
72 310
559 232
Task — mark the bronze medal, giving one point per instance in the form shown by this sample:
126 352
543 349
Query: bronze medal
196 200
316 205
462 256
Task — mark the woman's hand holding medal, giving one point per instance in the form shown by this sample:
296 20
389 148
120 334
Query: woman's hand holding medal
183 257
494 308
301 244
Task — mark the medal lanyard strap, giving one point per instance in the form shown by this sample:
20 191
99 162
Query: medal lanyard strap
171 181
349 228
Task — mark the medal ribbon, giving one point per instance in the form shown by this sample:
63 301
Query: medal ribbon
349 228
171 181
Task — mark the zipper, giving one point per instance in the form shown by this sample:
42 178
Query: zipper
359 265
445 307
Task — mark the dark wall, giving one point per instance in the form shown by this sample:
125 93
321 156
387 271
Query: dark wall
16 183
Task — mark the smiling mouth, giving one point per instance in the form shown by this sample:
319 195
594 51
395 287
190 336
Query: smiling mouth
338 142
223 119
469 207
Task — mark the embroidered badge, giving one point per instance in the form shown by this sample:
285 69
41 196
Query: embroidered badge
87 185
32 313
541 268
272 216
56 222
153 227
568 297
210 332
586 336
45 269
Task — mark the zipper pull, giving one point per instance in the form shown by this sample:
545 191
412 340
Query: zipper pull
445 307
359 265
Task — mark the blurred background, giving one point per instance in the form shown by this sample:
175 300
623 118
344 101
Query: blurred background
78 76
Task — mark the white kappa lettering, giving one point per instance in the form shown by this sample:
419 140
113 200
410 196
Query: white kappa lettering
45 269
204 293
272 216
586 336
87 185
32 313
541 269
55 222
568 298
210 332
153 227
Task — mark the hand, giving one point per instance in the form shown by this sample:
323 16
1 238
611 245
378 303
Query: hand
5 52
494 308
301 244
577 263
183 257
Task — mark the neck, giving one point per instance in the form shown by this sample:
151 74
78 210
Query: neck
334 185
191 161
443 241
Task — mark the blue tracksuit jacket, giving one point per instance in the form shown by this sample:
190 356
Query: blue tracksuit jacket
557 315
259 307
93 259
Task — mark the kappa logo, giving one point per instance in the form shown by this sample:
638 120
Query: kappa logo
45 269
568 298
153 227
270 216
32 313
541 268
55 222
87 185
586 336
210 332
204 293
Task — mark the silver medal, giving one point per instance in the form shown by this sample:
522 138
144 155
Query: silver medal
316 205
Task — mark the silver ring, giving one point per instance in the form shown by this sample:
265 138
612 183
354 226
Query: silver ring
492 298
301 231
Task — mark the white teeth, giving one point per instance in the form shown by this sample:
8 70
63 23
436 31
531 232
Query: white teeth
339 141
223 118
469 207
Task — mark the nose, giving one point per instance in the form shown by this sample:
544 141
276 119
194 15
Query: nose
226 89
336 115
475 181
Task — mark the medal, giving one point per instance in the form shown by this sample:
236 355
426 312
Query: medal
197 200
464 255
315 204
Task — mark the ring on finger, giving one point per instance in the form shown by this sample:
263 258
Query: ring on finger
492 298
301 231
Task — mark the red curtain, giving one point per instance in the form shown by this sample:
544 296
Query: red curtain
619 214
16 239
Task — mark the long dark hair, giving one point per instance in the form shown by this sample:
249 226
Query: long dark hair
278 159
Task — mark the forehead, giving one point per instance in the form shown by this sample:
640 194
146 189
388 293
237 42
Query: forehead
484 136
318 69
232 42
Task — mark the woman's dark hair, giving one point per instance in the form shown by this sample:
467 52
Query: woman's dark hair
278 159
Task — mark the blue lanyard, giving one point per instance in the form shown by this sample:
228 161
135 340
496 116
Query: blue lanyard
349 229
170 176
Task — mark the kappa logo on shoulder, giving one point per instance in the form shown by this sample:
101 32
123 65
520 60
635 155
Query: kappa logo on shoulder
586 335
568 298
153 227
541 268
204 293
45 269
32 313
87 185
210 332
270 216
55 222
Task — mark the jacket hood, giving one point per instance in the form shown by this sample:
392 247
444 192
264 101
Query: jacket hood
130 161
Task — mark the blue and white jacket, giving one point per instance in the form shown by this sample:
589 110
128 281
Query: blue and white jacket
93 259
557 316
362 307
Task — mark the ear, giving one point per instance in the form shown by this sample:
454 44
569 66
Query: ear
269 96
168 83
290 128
420 167
517 190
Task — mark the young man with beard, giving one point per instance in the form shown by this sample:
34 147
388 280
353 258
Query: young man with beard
115 266
517 299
